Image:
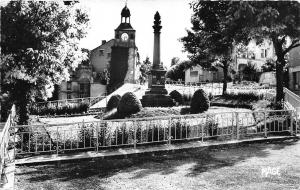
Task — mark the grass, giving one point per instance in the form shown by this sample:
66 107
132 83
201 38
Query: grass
240 167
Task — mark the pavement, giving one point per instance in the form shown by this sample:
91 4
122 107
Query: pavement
125 152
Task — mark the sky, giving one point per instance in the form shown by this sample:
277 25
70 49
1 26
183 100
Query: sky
105 17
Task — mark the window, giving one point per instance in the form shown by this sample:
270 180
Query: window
69 85
131 36
84 90
108 55
262 53
101 52
69 96
194 73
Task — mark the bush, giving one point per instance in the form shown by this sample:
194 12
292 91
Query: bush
129 104
187 98
242 96
67 109
113 102
175 95
200 102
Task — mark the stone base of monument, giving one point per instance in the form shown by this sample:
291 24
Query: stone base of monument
150 99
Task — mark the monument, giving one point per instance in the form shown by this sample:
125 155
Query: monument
156 94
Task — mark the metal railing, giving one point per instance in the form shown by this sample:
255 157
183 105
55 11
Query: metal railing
70 102
61 138
292 99
5 138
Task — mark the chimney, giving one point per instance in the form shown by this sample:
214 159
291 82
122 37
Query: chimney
103 42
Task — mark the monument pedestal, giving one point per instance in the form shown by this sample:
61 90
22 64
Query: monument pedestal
157 95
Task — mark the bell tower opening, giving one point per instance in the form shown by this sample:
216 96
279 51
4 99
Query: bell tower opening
125 15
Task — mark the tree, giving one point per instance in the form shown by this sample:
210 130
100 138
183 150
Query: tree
278 21
174 61
269 66
176 72
211 41
39 42
251 71
145 70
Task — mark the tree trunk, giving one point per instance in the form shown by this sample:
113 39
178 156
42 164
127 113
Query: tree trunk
21 96
225 71
280 63
279 80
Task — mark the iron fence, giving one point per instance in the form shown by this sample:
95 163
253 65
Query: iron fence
61 138
187 89
5 139
69 102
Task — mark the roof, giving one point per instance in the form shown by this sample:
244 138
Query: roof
112 40
125 26
125 12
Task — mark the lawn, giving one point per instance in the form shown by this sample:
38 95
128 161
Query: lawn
254 166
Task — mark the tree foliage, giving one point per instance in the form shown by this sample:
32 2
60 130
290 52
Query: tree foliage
278 21
39 41
212 38
174 61
145 70
269 66
251 71
176 72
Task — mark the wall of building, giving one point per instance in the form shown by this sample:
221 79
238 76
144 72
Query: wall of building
130 75
257 54
97 89
101 56
197 74
294 69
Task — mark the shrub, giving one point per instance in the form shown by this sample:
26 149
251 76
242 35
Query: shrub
187 97
176 96
112 114
200 102
243 96
113 102
66 109
129 104
85 136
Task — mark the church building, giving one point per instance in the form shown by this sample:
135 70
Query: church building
110 65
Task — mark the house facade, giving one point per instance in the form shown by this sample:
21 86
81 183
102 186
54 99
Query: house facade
112 63
196 74
255 54
294 70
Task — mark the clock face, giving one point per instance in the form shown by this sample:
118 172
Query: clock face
124 37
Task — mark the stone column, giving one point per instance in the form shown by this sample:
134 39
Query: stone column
157 95
156 48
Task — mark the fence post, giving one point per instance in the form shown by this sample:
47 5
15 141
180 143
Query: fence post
296 131
202 131
237 126
14 130
265 125
97 136
292 122
170 128
56 140
134 141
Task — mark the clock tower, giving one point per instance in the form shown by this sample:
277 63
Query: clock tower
123 67
125 34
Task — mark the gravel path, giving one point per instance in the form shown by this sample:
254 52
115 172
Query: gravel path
254 166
